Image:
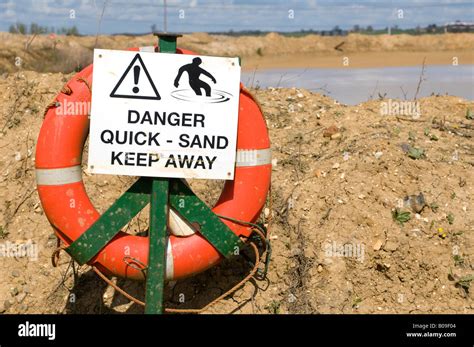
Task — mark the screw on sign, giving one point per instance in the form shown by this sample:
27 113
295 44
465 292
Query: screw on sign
185 236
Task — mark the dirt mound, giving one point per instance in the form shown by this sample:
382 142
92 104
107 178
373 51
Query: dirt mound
344 239
58 53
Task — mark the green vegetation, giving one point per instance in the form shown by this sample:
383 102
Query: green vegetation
450 218
469 114
416 153
465 282
434 207
401 217
458 260
21 28
3 232
356 302
273 307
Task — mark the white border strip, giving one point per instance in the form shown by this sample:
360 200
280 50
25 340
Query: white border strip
253 157
56 177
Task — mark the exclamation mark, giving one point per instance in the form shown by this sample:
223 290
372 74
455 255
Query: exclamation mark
136 75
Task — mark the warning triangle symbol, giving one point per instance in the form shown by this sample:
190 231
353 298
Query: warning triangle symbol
136 82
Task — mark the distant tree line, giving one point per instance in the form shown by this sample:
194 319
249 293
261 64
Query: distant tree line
33 28
368 30
395 29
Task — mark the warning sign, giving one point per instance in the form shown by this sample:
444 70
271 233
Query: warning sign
142 89
164 115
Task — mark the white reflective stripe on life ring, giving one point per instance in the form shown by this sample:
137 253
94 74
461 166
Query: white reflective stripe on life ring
178 225
253 157
147 49
56 177
169 261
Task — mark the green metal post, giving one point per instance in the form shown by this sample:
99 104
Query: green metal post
167 42
156 271
159 209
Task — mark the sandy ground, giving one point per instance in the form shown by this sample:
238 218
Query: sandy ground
65 54
339 175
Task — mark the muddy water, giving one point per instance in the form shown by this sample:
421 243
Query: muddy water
352 86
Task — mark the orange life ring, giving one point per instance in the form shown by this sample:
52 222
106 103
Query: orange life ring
70 211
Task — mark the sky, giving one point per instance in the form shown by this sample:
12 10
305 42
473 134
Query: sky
137 16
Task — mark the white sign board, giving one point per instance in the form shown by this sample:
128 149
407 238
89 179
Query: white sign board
164 115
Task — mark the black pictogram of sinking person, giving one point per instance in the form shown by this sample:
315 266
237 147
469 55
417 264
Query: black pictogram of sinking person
194 71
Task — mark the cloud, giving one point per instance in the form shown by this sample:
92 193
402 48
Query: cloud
211 15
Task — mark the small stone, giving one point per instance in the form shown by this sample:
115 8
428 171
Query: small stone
16 273
21 297
300 95
26 289
345 156
361 196
7 304
405 147
17 156
296 252
266 212
391 246
274 162
37 208
378 155
52 237
336 136
320 268
336 166
378 245
308 253
317 173
14 291
328 132
415 202
455 156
